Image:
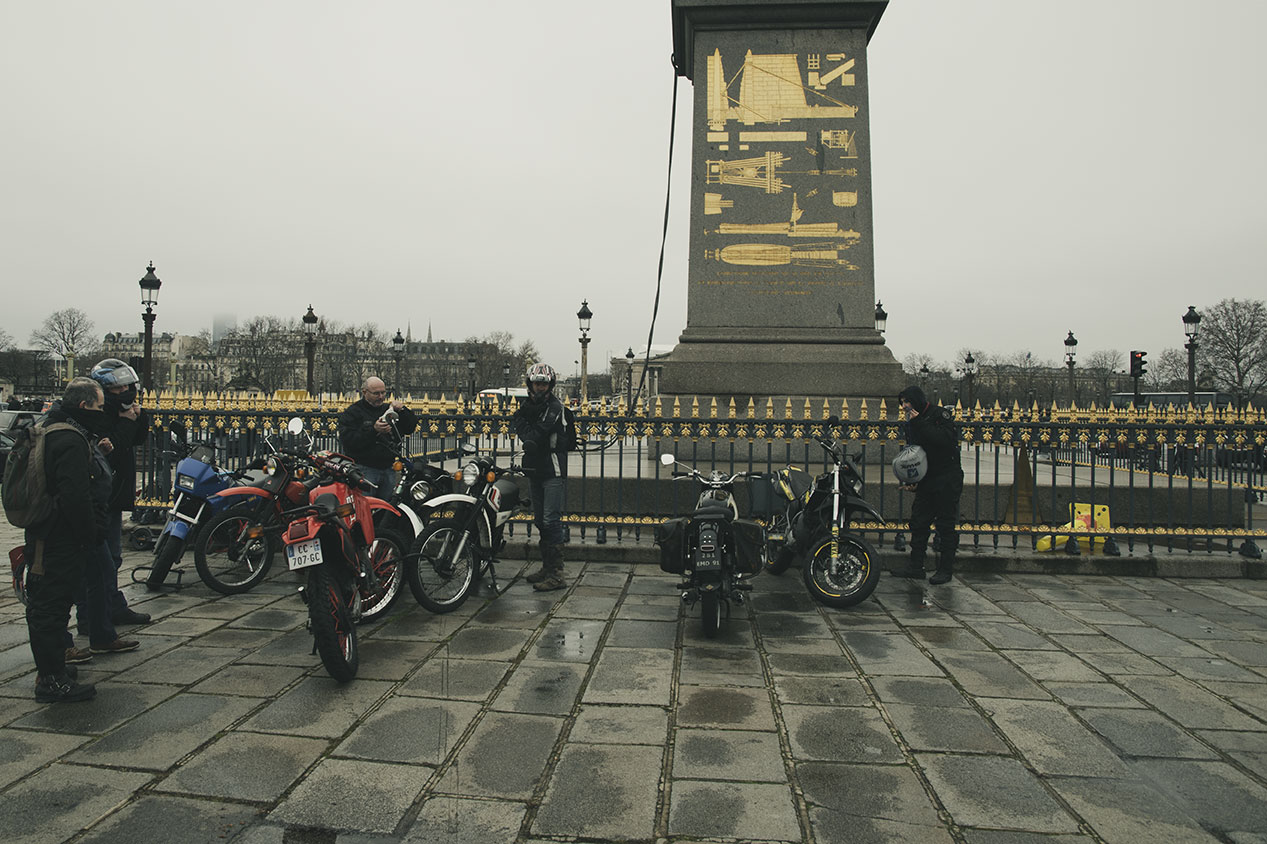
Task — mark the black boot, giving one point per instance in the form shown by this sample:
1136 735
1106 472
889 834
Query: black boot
945 568
914 570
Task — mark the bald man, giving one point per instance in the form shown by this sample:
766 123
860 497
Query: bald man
370 439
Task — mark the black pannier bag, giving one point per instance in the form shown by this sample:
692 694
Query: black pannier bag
671 537
761 496
749 546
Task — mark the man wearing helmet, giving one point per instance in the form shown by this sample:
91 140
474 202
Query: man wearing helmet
126 427
932 427
540 426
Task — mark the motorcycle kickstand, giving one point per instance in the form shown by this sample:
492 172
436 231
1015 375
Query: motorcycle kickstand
492 576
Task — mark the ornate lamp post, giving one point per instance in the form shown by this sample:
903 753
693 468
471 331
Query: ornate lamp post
923 376
398 354
506 384
629 359
149 298
1071 351
310 346
470 371
1191 325
969 372
881 317
584 315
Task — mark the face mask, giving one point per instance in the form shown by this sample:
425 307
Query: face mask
93 420
122 400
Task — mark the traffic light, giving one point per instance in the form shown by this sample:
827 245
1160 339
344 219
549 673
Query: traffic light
1137 364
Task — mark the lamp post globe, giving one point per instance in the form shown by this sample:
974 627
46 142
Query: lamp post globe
149 298
470 371
970 367
629 359
310 345
398 354
584 315
881 317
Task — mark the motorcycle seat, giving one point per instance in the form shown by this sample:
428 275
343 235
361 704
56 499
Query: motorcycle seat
712 510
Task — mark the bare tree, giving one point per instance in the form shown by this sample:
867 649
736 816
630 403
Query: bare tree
1102 367
1169 372
261 352
64 332
1233 346
6 341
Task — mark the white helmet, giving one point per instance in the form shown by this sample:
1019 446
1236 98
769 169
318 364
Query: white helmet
911 465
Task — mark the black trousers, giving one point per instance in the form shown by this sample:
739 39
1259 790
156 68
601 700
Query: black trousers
49 597
936 504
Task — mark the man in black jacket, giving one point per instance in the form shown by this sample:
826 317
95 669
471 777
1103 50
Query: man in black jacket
932 427
366 434
58 548
540 425
127 426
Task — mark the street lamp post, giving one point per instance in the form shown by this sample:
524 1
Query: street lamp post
310 346
923 376
470 370
629 359
398 354
149 298
506 384
584 315
969 372
1191 325
881 317
1071 351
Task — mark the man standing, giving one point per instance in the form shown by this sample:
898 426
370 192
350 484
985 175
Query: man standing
127 426
540 425
58 548
932 427
367 436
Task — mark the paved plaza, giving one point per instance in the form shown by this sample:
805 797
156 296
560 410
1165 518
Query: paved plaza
1001 708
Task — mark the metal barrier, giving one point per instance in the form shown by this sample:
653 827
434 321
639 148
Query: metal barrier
1180 479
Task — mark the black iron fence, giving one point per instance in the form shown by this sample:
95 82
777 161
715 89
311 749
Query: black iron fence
1078 479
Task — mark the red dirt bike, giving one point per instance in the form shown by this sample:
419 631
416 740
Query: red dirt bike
354 572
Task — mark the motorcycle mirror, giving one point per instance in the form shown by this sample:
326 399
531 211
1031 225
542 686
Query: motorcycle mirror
833 420
469 448
667 459
295 425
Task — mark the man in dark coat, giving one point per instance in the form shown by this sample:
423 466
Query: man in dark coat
540 425
58 548
127 427
932 427
369 439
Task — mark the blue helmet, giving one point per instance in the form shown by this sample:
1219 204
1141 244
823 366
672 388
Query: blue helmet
113 372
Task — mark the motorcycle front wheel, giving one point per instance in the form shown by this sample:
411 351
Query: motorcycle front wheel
387 556
850 580
440 578
166 554
710 612
331 624
229 561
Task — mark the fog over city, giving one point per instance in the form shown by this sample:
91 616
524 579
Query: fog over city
466 168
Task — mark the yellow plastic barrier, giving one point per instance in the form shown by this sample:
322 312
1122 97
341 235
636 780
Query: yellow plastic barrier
1080 518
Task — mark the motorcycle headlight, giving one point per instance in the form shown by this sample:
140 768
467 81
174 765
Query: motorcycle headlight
856 483
420 490
185 481
470 474
272 466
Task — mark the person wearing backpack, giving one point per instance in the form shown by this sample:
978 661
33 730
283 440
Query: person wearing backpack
127 425
60 543
540 423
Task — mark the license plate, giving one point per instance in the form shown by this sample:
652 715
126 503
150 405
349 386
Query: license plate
303 554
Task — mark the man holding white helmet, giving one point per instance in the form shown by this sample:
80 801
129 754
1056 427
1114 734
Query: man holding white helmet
932 427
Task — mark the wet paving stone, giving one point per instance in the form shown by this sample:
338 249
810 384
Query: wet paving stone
744 811
832 734
635 633
994 792
602 792
246 766
486 643
318 707
821 691
889 792
950 729
546 688
1053 741
413 730
466 679
919 691
741 755
504 757
54 804
621 725
733 708
569 640
631 675
889 653
457 820
352 794
22 752
1141 732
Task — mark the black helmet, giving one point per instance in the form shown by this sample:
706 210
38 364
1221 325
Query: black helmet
113 372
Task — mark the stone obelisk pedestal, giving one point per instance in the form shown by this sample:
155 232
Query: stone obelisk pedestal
781 285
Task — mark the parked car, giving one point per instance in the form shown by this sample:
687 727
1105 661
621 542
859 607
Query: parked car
11 420
1250 456
6 445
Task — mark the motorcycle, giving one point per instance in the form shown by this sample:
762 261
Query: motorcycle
812 521
198 479
353 571
716 551
465 533
417 482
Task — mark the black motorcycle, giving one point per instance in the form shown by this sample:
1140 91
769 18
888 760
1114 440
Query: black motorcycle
811 521
715 550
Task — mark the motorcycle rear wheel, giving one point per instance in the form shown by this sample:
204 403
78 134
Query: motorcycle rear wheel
710 612
387 555
854 579
438 577
331 624
226 560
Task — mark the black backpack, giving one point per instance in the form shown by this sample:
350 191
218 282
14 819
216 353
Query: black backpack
27 502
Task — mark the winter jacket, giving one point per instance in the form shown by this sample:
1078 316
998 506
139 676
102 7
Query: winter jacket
125 435
542 430
359 440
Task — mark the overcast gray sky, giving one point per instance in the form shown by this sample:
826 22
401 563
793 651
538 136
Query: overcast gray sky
1038 167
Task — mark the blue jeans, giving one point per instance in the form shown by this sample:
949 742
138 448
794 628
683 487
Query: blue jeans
93 604
384 479
547 507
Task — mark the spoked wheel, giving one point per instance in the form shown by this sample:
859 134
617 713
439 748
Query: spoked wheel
387 556
440 577
331 623
849 580
227 558
710 612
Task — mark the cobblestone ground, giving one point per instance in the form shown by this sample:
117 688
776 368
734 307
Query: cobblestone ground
1000 708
